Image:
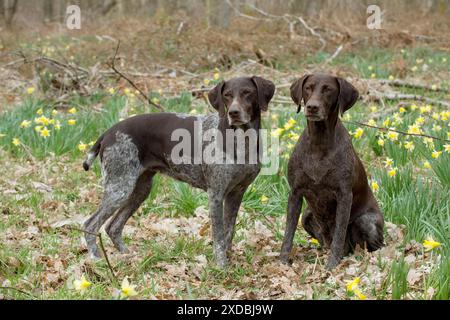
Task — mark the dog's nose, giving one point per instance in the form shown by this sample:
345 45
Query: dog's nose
311 108
233 113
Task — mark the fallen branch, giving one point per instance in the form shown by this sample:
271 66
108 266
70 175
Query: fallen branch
113 67
406 96
401 83
397 131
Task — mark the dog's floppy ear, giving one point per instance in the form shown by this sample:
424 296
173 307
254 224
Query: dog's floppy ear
297 91
216 99
265 89
348 95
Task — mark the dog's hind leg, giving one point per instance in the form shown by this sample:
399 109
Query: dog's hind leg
367 231
120 169
115 226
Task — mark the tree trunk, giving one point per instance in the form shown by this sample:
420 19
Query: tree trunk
10 8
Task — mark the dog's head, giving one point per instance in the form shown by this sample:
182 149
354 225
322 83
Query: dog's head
323 95
241 100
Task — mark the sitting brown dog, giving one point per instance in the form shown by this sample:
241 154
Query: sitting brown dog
325 170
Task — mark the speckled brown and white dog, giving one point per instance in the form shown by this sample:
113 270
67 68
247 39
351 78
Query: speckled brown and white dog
134 150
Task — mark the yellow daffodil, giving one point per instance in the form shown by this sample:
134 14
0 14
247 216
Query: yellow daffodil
359 294
351 286
358 133
193 111
278 132
264 199
294 136
409 145
372 122
391 77
392 172
274 117
373 108
16 142
370 68
444 59
40 111
155 100
373 75
429 142
127 289
447 148
30 90
82 146
25 124
435 116
72 122
397 119
419 61
206 82
414 69
314 241
425 109
45 132
44 120
402 110
216 76
290 124
448 135
111 91
435 154
444 116
57 125
388 162
375 186
392 135
72 110
386 122
81 285
414 129
91 143
420 120
436 128
413 107
430 244
426 165
380 142
38 129
126 91
433 87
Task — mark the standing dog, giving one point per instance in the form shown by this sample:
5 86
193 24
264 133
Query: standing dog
134 150
325 170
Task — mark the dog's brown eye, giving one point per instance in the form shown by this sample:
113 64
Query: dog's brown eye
228 95
246 92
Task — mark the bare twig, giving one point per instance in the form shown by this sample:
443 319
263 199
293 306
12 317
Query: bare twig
18 290
102 247
397 131
113 67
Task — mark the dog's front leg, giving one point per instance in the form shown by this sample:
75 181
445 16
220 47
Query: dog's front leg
343 209
293 214
218 232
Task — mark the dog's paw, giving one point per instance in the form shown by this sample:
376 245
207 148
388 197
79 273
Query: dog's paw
284 258
333 262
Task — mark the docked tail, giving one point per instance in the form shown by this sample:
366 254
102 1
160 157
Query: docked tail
93 153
